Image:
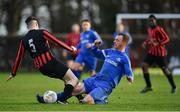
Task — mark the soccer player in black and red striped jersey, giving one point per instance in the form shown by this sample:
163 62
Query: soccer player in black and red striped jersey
156 53
36 44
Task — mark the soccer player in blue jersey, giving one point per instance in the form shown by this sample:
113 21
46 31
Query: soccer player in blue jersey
85 57
116 65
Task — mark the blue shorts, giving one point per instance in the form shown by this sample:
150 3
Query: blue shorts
99 90
89 61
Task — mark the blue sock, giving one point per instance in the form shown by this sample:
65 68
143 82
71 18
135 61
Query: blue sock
66 94
60 96
77 73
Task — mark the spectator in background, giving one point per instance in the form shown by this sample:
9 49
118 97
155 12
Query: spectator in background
121 29
72 39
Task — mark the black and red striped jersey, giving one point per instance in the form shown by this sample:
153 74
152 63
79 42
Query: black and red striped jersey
36 44
159 36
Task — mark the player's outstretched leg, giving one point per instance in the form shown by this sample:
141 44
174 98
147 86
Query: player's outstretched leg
70 82
169 76
77 91
59 100
146 78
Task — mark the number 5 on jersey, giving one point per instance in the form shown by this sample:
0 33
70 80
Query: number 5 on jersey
32 46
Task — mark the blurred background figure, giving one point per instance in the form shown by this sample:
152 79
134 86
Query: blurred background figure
85 57
121 29
72 39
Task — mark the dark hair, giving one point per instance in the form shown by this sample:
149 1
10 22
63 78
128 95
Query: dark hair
30 18
125 37
85 20
152 16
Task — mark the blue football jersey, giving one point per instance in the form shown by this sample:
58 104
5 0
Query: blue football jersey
116 64
87 37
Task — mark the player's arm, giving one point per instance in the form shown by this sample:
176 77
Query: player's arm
18 60
145 43
96 35
57 42
128 71
164 39
101 54
97 39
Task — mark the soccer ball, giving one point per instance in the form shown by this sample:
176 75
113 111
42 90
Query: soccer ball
50 97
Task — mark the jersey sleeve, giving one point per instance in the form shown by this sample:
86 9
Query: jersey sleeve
127 67
19 56
100 54
164 39
130 41
48 36
96 35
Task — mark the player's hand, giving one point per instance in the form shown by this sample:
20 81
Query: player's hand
97 42
10 76
74 49
130 80
74 52
144 45
155 44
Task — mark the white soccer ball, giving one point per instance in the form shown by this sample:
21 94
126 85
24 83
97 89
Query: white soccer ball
50 97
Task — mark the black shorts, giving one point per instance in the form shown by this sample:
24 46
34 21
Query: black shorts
159 60
54 69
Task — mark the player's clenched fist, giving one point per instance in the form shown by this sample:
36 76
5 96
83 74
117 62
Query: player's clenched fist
97 43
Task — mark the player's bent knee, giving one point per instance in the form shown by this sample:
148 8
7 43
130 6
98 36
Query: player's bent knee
166 70
79 89
70 78
145 67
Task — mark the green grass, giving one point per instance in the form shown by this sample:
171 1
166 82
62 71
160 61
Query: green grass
19 94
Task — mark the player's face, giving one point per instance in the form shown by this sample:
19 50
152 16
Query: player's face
75 28
33 24
152 22
118 42
86 26
120 28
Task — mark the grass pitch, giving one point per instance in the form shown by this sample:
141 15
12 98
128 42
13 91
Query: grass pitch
19 95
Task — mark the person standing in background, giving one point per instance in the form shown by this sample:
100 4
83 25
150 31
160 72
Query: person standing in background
121 29
72 39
